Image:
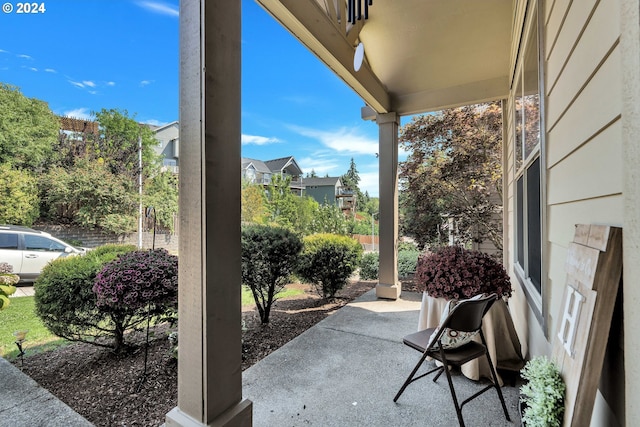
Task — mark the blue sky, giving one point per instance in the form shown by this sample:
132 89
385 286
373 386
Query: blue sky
81 56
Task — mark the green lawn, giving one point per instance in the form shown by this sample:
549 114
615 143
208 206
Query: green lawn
247 296
20 315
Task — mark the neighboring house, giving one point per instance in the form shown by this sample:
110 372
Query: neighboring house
256 171
261 172
288 167
168 147
330 190
74 126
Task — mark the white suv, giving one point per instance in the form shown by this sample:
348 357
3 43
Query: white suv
28 250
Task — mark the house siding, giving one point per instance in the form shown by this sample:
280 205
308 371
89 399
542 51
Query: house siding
584 163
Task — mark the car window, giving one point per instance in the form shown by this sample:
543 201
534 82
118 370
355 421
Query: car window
39 243
8 241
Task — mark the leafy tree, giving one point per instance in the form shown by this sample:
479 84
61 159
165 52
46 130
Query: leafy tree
454 170
269 255
161 192
117 144
89 195
329 218
28 130
253 203
285 209
19 195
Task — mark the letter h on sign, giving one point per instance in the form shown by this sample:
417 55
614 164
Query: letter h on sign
567 333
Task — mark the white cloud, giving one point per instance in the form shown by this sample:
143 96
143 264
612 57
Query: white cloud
79 113
33 69
161 8
370 183
258 140
111 83
50 70
144 83
321 166
4 51
24 56
89 83
345 141
76 84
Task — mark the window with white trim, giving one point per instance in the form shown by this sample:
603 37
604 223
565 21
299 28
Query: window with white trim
528 142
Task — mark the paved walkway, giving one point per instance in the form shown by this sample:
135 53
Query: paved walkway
342 372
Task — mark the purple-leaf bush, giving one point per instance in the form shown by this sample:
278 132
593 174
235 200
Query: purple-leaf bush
138 279
454 273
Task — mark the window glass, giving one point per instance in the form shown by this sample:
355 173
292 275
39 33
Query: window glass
531 96
534 225
8 241
39 243
518 125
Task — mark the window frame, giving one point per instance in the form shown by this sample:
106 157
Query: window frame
522 165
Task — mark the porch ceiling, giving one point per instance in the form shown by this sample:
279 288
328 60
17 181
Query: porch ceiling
420 55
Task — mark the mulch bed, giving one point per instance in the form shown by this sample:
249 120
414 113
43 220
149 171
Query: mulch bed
107 390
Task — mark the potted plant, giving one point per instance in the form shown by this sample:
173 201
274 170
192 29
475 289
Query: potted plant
7 282
543 394
454 273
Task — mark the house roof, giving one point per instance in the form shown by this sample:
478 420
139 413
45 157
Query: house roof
419 55
287 164
163 127
321 182
257 164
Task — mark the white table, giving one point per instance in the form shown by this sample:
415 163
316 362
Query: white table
499 332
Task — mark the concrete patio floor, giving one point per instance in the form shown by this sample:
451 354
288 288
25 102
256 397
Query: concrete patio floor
346 370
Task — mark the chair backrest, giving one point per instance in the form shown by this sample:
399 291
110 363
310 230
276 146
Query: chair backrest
467 315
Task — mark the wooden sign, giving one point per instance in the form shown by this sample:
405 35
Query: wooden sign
594 267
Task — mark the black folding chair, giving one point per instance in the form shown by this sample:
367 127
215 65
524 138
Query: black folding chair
464 317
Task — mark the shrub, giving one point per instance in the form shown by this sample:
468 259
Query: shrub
452 272
269 255
369 266
135 286
64 298
7 280
328 260
407 262
543 394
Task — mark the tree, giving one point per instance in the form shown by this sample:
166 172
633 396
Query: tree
253 203
161 192
28 130
19 195
454 170
89 195
117 144
351 179
269 255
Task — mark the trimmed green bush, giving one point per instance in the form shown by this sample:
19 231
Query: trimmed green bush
64 297
407 262
369 266
328 260
269 256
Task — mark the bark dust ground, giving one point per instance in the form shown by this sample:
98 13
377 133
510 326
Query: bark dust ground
107 388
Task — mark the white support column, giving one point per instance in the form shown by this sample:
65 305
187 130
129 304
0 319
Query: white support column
210 355
630 54
388 285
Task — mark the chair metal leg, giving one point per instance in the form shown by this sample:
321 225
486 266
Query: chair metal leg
496 384
411 378
453 392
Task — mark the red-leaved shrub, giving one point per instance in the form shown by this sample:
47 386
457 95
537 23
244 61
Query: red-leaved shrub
453 272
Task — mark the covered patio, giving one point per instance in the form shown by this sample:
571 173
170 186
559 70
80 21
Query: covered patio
417 56
326 376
